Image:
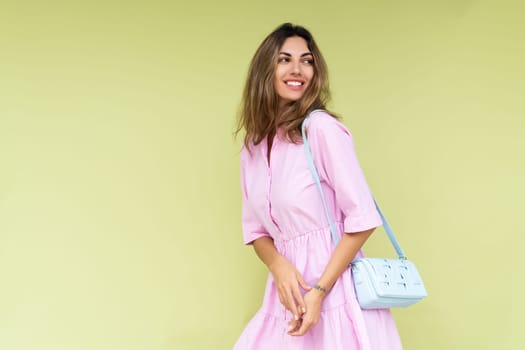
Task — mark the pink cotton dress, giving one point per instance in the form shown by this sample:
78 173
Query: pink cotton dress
281 200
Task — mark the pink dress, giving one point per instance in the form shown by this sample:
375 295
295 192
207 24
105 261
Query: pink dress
281 200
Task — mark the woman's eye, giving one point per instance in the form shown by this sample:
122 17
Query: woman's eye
309 61
283 59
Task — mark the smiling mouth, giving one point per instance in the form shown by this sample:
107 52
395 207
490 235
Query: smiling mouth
294 83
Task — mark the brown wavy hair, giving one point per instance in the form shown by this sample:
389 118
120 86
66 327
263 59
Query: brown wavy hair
259 111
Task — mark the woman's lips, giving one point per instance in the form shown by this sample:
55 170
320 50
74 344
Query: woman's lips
294 84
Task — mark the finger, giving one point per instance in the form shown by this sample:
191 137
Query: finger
293 325
285 301
305 326
281 299
291 305
302 283
299 300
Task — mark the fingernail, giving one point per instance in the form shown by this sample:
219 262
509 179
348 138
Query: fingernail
296 317
290 327
304 309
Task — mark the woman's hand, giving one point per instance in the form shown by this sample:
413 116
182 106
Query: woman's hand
288 280
313 300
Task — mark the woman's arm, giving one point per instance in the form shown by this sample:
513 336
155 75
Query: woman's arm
336 161
343 254
287 278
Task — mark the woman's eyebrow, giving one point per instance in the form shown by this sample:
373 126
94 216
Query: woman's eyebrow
289 55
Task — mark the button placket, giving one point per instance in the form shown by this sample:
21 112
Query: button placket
270 182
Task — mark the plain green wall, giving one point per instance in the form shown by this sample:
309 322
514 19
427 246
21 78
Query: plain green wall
119 195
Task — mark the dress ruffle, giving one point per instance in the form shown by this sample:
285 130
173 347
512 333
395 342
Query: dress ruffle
335 330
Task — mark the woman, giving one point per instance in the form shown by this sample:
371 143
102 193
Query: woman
309 301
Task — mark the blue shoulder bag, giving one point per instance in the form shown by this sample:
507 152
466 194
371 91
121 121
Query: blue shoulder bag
379 283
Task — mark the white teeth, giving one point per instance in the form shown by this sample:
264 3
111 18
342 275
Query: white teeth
294 83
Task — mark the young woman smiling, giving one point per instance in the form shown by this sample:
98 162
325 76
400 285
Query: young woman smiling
309 302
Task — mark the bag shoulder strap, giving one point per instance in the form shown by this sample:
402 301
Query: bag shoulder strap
333 230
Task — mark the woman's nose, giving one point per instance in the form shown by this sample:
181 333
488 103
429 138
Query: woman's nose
296 68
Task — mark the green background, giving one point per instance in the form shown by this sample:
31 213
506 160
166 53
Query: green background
119 193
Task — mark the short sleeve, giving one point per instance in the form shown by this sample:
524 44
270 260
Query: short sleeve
334 155
252 229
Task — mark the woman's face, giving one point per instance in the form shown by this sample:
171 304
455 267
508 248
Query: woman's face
294 70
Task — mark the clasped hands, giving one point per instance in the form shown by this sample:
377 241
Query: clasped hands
305 310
